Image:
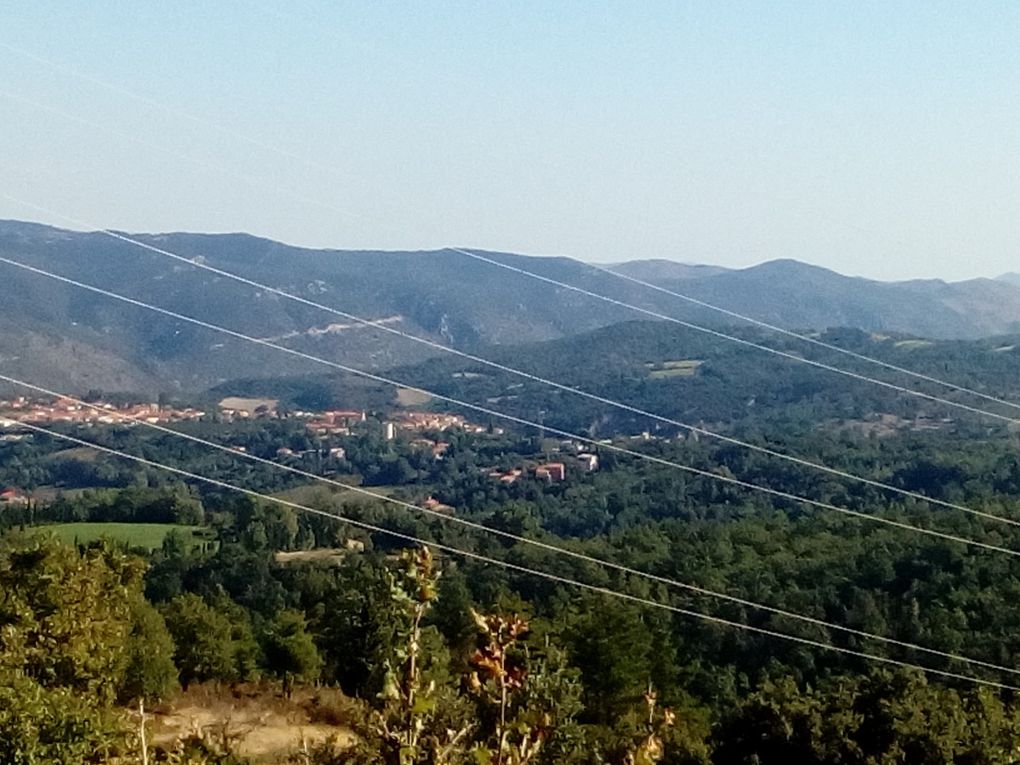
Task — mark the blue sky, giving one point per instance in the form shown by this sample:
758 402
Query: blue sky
879 139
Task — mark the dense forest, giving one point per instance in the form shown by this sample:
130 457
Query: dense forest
422 655
727 472
683 374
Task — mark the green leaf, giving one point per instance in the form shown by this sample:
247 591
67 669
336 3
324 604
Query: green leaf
423 706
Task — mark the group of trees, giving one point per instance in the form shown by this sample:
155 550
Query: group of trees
732 385
441 681
76 637
79 642
484 665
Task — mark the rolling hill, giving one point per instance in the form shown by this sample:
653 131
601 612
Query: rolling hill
688 375
1010 278
77 340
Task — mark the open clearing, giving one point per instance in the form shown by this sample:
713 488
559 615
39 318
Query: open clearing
321 495
408 397
249 405
315 493
263 724
329 556
147 535
914 344
682 368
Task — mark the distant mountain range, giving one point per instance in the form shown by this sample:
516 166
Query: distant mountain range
76 340
1010 278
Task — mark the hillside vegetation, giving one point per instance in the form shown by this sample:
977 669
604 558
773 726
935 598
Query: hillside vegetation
433 657
81 340
691 377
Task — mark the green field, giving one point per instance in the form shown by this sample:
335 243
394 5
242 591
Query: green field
147 535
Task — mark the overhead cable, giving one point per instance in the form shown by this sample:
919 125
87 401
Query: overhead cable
519 568
701 431
512 418
739 340
457 520
806 338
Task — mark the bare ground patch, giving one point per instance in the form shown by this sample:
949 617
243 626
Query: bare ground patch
254 721
408 397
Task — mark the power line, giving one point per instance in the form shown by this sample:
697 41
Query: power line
511 418
318 166
533 377
290 155
734 339
509 535
505 368
515 567
806 338
296 157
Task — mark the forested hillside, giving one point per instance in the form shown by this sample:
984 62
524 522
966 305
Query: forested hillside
85 340
509 383
436 657
683 374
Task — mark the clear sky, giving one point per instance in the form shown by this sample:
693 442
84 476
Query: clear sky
876 138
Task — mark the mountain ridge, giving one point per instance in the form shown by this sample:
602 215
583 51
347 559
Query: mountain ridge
76 339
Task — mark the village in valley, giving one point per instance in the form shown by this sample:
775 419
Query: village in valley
422 430
57 411
418 431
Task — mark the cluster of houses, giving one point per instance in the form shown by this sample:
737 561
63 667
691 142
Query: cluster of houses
550 472
420 421
12 497
339 422
22 410
335 422
435 421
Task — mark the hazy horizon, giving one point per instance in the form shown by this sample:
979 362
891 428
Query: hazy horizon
477 249
876 140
